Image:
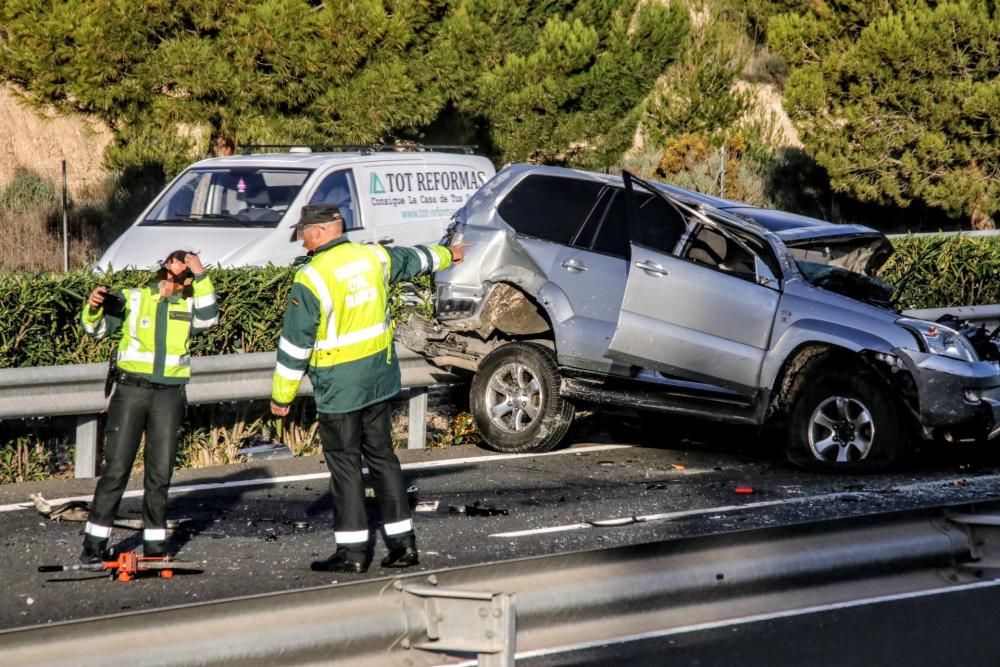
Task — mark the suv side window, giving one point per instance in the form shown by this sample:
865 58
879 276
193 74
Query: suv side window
713 249
551 208
660 226
612 236
338 188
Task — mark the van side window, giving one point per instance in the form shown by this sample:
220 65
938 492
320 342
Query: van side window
338 188
551 208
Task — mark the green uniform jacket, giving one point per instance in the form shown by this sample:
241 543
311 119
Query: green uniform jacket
351 384
154 332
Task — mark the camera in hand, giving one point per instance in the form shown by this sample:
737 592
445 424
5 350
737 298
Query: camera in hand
113 304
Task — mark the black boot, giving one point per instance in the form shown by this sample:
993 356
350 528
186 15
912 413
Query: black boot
402 551
343 560
94 551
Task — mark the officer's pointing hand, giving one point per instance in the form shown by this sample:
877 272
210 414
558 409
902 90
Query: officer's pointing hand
458 252
96 297
279 410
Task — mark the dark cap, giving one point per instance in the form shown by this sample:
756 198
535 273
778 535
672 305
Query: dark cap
318 214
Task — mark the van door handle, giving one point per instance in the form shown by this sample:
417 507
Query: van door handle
387 239
574 265
651 267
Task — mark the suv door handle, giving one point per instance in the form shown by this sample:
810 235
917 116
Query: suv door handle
386 239
651 267
574 265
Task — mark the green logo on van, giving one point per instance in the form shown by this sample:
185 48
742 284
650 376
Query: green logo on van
376 187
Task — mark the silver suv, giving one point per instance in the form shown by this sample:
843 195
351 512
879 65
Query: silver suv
589 289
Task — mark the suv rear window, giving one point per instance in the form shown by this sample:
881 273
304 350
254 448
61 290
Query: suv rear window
549 207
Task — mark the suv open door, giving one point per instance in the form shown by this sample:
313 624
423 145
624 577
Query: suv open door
691 319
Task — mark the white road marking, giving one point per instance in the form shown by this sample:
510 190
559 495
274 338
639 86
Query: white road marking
728 508
743 620
264 481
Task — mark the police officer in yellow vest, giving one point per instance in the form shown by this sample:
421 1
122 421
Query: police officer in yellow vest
337 328
154 325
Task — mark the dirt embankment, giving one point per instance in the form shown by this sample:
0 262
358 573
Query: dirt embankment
39 140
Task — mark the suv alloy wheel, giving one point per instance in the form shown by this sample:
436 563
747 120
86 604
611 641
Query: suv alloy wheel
515 399
845 421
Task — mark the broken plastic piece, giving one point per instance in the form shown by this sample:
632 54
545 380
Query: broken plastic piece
427 506
611 523
476 510
266 452
744 489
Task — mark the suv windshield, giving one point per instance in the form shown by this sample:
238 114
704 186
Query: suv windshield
228 197
847 266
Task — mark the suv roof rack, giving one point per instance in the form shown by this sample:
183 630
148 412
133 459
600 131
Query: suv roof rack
364 149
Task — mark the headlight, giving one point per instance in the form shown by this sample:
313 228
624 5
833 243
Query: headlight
939 339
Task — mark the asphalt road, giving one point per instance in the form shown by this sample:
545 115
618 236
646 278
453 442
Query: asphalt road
473 507
929 631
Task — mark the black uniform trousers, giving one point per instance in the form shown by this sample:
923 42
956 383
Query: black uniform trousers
157 410
345 438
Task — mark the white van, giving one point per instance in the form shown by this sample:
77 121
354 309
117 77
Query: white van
240 210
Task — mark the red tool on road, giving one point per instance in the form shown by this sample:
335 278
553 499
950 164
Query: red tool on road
128 566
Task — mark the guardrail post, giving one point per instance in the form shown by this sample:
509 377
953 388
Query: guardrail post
417 419
85 462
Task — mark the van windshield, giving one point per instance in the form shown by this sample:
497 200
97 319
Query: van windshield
228 197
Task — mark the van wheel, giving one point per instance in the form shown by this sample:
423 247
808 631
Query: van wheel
844 422
515 399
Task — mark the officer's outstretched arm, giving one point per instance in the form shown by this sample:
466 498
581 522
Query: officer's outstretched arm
410 263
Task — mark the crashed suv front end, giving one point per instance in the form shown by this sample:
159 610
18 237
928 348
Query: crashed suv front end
583 288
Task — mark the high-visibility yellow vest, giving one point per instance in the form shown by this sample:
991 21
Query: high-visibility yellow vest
351 283
142 336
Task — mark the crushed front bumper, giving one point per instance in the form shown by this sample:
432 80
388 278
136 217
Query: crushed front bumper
956 395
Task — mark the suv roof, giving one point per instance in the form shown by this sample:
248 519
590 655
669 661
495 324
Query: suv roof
789 227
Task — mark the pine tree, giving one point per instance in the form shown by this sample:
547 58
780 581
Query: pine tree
908 109
162 73
561 89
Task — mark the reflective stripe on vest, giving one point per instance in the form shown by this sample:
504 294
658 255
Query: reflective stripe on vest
350 281
137 347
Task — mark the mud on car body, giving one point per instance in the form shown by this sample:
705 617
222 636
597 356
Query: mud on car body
590 289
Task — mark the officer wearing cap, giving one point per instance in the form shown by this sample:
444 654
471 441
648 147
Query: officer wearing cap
337 328
154 324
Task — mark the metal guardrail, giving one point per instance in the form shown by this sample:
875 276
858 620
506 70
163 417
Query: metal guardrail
49 391
547 606
969 232
979 314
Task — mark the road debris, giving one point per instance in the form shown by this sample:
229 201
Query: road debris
612 523
79 511
476 509
427 506
265 451
744 490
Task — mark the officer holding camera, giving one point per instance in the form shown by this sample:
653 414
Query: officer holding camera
154 324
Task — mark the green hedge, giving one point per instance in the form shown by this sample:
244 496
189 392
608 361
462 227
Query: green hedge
39 325
39 314
947 271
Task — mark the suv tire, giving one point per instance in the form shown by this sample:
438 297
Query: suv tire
515 399
845 421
